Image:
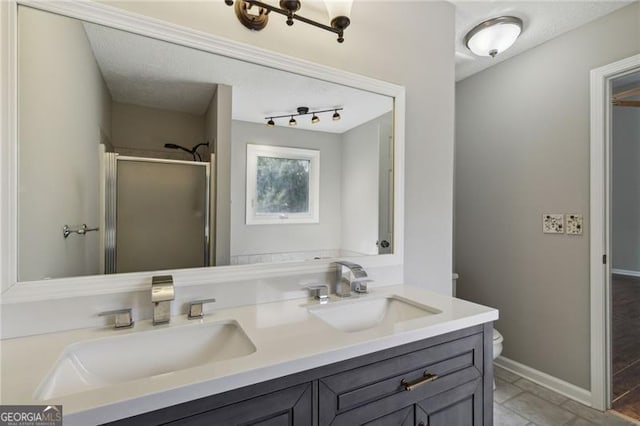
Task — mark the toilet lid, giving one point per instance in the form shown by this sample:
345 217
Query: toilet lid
497 336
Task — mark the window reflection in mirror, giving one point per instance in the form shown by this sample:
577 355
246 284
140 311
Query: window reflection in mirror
99 106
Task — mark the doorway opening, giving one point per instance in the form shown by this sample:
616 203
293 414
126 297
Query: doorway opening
625 244
615 237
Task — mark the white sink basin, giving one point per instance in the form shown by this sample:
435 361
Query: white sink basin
363 314
106 361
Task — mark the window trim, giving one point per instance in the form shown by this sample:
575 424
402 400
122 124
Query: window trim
312 155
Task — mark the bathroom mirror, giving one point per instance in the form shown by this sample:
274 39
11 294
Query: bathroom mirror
136 154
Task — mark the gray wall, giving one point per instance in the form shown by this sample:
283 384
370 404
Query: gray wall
218 134
142 131
421 59
360 187
625 203
58 153
255 239
522 149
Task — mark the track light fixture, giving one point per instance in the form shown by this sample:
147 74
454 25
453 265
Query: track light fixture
256 19
304 111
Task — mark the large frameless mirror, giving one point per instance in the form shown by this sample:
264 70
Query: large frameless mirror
136 154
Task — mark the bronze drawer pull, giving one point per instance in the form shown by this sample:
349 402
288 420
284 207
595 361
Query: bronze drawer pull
426 378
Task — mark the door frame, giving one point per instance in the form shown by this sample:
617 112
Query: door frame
600 228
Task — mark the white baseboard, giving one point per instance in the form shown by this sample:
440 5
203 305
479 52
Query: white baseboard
626 272
574 392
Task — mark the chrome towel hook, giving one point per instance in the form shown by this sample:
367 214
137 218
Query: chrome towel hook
66 230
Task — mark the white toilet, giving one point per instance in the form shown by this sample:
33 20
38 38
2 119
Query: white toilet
497 348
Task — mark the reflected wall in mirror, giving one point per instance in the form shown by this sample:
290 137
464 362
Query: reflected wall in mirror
114 128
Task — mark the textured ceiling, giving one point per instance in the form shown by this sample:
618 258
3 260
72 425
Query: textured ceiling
153 73
543 20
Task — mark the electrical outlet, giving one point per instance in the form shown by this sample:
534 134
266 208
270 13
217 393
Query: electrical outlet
553 223
574 224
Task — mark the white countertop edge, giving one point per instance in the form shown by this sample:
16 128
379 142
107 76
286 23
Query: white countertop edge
167 398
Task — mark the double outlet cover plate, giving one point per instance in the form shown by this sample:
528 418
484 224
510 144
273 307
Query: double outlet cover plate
554 223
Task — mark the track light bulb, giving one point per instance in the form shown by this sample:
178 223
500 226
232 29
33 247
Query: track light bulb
336 116
315 119
292 122
270 123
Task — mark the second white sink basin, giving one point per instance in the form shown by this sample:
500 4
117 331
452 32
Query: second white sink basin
363 314
106 361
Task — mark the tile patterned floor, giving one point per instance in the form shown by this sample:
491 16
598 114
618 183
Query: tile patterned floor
519 402
626 345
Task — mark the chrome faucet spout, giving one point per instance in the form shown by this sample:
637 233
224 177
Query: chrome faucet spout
162 293
350 277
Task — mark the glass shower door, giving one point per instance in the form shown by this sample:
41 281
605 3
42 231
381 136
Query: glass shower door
161 214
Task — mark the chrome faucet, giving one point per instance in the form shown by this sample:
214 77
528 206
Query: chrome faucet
350 277
162 293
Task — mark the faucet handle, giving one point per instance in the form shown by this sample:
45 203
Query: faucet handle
195 308
359 285
320 292
122 317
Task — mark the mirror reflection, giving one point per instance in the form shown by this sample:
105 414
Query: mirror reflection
158 156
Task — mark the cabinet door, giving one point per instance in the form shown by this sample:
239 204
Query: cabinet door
288 407
402 417
461 406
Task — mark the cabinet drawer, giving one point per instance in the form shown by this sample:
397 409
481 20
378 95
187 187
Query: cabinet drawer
344 391
288 407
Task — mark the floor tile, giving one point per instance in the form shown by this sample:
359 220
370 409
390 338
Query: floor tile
585 412
540 391
582 422
504 417
614 420
505 375
504 391
538 410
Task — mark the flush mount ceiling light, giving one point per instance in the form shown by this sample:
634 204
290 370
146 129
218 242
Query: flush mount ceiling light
304 111
493 36
256 19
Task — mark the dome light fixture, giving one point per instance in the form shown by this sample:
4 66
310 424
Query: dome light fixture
493 36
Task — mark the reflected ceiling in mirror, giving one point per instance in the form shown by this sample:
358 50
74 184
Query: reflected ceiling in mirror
147 141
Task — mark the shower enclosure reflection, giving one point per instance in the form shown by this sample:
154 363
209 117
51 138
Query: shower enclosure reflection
156 214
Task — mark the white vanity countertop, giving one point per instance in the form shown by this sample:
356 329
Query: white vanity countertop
288 339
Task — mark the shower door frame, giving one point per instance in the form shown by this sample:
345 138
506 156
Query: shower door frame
111 198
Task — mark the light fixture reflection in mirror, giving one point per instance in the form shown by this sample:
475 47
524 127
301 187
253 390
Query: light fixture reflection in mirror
152 103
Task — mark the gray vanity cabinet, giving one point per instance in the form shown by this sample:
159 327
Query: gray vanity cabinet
440 381
368 393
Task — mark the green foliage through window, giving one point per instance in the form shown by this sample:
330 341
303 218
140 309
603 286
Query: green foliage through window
282 185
